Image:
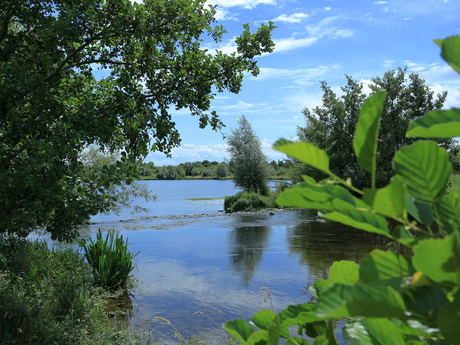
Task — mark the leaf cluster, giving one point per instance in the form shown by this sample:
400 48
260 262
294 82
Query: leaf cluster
387 298
54 102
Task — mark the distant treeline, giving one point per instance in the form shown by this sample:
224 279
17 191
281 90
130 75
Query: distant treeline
205 169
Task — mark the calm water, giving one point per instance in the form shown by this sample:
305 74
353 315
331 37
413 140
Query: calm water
199 267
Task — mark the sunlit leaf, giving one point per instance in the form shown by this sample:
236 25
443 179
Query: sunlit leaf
450 51
343 300
372 331
258 338
436 124
238 329
367 131
424 169
306 153
344 272
387 201
361 219
381 265
297 341
263 319
436 259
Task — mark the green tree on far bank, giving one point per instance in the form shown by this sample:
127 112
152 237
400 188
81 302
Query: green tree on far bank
331 126
247 160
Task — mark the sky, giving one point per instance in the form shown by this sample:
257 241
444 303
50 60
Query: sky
318 40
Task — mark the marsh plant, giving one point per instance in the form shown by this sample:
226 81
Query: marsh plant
110 259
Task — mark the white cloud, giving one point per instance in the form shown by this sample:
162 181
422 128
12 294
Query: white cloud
344 33
380 2
241 3
285 44
225 15
366 85
293 18
189 153
328 8
388 63
301 76
240 106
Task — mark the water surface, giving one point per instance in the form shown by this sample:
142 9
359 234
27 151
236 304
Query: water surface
199 267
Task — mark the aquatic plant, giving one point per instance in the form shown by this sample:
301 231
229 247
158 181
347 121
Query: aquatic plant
110 258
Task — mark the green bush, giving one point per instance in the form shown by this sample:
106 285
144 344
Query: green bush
246 201
110 258
45 297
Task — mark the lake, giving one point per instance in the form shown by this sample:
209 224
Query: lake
199 267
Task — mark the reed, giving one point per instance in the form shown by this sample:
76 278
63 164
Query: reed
111 260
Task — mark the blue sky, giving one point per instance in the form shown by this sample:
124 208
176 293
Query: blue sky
318 40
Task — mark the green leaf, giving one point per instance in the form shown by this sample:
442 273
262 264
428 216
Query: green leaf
424 169
449 321
367 132
387 201
436 124
425 301
306 153
343 300
297 341
263 319
420 211
238 329
450 51
436 259
449 213
381 265
258 338
404 236
361 219
372 331
344 272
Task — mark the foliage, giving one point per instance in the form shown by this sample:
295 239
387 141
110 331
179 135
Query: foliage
331 127
388 298
149 61
110 259
171 172
247 159
221 170
248 201
45 297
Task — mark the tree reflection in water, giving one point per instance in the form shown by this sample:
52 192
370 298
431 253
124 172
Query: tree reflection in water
319 242
246 246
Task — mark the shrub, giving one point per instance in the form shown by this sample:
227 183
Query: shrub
246 201
110 259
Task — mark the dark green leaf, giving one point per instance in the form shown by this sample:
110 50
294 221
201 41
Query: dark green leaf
449 321
381 265
372 331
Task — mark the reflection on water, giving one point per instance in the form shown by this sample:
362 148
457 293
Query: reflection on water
247 244
318 243
199 268
120 309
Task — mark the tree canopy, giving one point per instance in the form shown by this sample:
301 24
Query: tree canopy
247 160
331 126
53 105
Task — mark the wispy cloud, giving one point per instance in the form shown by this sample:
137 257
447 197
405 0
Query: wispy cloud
293 18
242 3
300 76
225 15
380 2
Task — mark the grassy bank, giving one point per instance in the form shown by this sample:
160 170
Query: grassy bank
47 297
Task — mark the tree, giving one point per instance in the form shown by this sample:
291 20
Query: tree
221 170
331 127
248 162
52 105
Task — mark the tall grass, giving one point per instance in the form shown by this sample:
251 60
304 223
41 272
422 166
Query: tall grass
46 297
110 258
